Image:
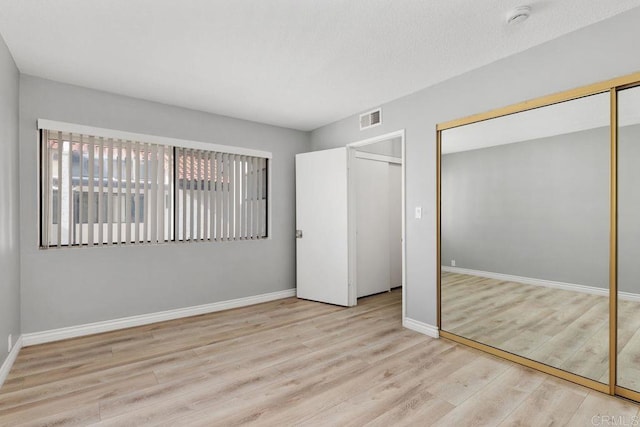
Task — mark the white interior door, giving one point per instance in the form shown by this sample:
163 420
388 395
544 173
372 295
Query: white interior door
322 253
372 227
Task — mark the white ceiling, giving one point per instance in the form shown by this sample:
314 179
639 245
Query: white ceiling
567 117
293 63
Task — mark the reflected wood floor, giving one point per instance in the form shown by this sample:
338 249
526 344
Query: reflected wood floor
561 328
287 362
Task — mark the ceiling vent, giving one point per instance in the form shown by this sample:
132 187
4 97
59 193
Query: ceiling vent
371 119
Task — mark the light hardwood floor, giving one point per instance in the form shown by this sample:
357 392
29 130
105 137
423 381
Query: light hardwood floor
287 362
561 328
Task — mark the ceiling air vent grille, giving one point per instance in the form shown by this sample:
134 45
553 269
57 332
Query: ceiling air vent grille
371 119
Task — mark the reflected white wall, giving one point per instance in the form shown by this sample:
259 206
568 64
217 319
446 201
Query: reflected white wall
9 202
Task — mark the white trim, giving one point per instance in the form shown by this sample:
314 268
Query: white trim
8 362
403 184
378 157
625 296
117 134
145 319
423 328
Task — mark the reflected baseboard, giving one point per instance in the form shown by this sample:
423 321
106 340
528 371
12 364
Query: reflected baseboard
10 359
625 296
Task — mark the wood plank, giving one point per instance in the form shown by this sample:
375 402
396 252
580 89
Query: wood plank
561 328
290 362
596 406
497 400
559 402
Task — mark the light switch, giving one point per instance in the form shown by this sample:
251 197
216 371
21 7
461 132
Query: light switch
419 212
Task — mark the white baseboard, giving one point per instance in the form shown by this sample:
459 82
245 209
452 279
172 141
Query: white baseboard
423 328
35 338
8 362
627 296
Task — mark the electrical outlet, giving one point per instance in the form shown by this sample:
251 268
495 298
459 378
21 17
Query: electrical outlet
418 212
453 263
10 342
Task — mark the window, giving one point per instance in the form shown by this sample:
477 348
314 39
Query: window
220 195
100 190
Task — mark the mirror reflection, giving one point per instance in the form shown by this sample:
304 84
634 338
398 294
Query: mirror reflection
525 234
628 365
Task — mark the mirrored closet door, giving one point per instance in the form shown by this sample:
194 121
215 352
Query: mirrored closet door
628 363
524 235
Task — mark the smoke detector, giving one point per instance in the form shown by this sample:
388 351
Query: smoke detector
518 15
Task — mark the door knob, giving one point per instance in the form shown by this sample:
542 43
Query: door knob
298 234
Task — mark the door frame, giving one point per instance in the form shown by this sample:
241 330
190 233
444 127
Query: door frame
351 223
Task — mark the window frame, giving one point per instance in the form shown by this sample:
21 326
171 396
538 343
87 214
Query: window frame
45 124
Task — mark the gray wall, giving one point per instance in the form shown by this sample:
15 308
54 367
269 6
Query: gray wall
9 202
629 208
598 52
537 209
64 287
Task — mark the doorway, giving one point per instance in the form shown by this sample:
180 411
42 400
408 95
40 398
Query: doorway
376 215
327 218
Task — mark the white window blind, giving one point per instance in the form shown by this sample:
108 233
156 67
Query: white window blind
220 196
103 191
99 190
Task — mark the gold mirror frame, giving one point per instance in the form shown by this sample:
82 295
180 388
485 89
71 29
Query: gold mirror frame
612 86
